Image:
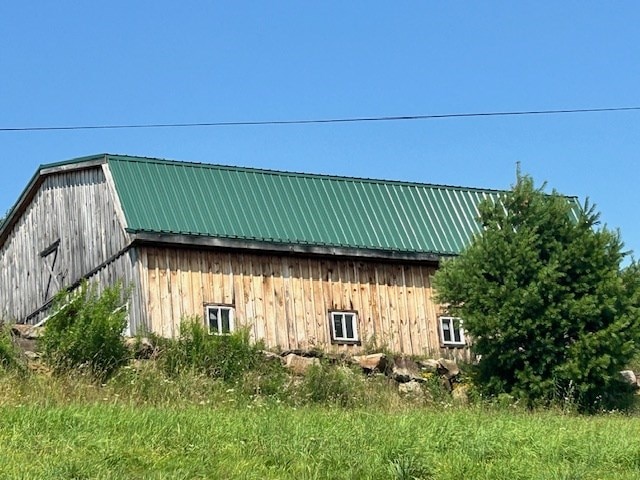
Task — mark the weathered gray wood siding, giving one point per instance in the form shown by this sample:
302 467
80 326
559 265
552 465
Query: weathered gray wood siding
285 300
124 269
76 208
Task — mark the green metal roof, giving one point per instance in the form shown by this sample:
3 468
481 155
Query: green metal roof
161 196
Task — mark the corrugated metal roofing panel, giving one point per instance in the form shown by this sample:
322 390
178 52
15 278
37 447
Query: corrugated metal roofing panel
294 208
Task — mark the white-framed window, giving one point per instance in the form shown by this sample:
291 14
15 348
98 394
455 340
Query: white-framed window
219 319
344 327
451 331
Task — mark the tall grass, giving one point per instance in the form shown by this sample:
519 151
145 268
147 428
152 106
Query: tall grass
342 386
145 383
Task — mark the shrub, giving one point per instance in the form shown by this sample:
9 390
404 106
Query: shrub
225 357
86 331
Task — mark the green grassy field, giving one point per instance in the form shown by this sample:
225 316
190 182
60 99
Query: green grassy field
262 423
112 438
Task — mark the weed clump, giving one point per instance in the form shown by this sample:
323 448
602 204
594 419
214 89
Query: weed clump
224 357
10 358
331 385
406 466
86 332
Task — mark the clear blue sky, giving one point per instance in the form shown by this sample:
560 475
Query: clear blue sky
123 62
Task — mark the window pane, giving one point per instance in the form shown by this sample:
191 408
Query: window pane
213 320
337 325
348 323
456 333
224 317
446 329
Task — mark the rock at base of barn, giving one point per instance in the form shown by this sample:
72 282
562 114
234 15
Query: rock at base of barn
269 357
629 377
298 364
376 362
141 348
406 370
31 355
448 368
429 365
26 332
410 388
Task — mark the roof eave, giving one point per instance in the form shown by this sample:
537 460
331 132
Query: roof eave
183 240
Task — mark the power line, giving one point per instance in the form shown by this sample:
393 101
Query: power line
321 120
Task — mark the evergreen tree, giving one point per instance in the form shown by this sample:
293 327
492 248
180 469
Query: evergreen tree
551 314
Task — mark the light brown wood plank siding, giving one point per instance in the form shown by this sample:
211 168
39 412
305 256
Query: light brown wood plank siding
285 301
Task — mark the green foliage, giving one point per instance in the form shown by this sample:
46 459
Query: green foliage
543 296
86 331
10 358
225 357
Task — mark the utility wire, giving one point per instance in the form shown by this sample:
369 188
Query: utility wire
321 120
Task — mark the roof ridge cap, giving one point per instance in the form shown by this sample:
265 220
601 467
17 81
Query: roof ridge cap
289 173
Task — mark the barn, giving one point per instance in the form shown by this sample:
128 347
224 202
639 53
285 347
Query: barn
301 260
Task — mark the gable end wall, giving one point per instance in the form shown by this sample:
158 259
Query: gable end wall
76 208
